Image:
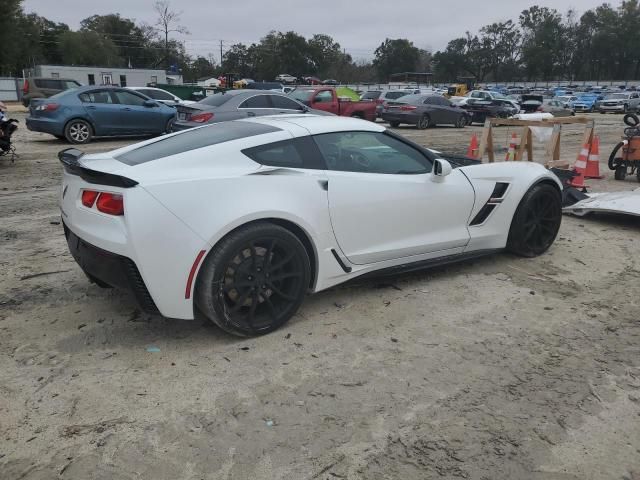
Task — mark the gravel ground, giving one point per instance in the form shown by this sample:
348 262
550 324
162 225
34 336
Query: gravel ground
500 368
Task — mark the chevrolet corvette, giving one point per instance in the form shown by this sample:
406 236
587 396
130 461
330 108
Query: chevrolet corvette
240 220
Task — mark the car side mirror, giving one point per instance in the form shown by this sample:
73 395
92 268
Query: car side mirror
150 103
441 168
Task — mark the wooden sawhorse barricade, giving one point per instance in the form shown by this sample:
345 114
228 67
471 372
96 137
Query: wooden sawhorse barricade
552 152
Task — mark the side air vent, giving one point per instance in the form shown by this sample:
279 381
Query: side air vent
499 190
483 214
495 199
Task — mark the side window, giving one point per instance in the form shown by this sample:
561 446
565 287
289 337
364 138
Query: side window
96 96
257 101
91 78
370 152
429 101
324 97
443 101
285 103
128 98
476 95
298 152
123 80
159 95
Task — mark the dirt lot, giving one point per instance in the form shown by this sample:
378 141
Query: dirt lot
502 368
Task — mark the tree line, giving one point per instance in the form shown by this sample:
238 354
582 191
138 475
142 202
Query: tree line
542 44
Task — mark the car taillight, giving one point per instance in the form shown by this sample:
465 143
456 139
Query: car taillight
47 107
539 109
408 107
201 117
25 87
89 198
111 203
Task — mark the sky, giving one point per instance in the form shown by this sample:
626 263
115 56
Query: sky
358 25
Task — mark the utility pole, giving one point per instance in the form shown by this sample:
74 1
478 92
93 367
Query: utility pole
220 53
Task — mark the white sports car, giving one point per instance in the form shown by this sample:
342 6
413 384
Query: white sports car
241 219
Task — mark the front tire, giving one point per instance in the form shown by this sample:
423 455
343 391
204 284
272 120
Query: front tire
536 222
78 131
394 124
462 121
254 280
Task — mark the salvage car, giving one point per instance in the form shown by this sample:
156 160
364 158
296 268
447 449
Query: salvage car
480 110
162 96
308 203
236 104
424 111
556 108
40 87
81 114
382 96
623 102
585 102
286 78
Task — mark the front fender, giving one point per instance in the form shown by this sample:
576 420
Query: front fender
520 177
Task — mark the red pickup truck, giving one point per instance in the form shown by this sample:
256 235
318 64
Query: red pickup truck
325 98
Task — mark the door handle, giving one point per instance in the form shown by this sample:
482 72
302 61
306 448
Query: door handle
91 107
126 109
251 114
324 185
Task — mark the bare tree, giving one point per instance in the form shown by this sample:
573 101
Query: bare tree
167 22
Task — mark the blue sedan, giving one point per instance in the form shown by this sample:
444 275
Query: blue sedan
79 115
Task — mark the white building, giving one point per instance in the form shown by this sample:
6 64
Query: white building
125 77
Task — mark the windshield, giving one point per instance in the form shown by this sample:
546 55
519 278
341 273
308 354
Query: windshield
216 99
301 95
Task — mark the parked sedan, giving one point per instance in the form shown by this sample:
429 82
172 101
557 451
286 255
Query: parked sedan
236 104
424 111
161 96
79 115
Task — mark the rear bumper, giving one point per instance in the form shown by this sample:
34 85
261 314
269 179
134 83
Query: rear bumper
409 118
44 125
179 126
109 268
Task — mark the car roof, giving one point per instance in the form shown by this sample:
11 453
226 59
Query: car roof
315 124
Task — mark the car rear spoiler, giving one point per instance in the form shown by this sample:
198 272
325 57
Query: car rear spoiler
70 159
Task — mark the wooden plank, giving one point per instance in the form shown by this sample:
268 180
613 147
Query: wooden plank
529 145
587 137
552 151
492 157
523 143
539 123
486 133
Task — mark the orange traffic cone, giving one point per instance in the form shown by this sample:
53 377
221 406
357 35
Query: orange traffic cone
593 162
511 153
474 147
580 167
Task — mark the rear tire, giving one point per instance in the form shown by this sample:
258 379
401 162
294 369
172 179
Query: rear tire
462 121
254 280
394 124
424 122
536 222
78 131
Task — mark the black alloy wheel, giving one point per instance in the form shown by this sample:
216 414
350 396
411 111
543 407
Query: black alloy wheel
536 222
254 280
